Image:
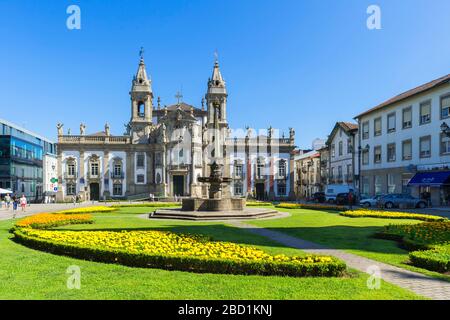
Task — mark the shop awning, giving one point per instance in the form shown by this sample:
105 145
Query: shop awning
434 179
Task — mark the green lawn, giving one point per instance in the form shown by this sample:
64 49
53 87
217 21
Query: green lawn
31 274
349 234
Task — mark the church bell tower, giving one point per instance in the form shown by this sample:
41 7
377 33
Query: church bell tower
141 104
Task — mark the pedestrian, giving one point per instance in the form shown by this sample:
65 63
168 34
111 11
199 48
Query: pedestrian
74 200
23 202
350 200
8 201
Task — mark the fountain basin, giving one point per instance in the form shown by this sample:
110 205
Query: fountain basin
200 204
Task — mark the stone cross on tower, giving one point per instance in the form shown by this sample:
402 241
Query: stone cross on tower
141 53
179 97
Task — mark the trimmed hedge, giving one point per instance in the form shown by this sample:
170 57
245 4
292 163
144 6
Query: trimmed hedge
364 213
428 243
94 209
258 204
436 259
51 220
310 206
196 264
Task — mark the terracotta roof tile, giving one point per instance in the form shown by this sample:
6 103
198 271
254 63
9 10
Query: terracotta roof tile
408 94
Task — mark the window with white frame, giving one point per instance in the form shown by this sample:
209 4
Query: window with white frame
445 107
349 173
445 144
391 183
282 168
339 173
391 122
377 127
333 150
140 160
349 145
94 169
238 189
260 169
425 112
425 147
391 152
407 118
71 189
71 169
117 189
238 170
365 157
377 154
407 150
365 185
140 178
365 130
341 148
378 185
117 170
281 189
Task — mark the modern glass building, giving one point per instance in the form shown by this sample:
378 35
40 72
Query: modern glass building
22 160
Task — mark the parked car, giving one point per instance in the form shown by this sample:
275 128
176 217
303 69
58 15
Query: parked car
342 199
370 201
390 201
333 190
319 197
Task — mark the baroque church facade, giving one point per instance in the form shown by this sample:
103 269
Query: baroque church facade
164 151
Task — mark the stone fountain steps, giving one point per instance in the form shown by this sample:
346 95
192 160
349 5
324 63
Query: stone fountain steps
247 214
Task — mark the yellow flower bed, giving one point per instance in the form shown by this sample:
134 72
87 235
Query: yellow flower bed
428 233
49 220
174 251
258 204
310 206
94 209
390 215
166 243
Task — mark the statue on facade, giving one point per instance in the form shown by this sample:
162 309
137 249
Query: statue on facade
163 133
82 129
291 133
270 132
127 129
107 132
59 126
69 132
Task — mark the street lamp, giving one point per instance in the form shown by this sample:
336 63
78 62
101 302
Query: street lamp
445 129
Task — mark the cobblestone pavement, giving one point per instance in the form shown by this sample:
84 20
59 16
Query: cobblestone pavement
420 284
39 208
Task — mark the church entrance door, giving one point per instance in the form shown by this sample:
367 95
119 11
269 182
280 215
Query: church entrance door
178 185
260 191
95 191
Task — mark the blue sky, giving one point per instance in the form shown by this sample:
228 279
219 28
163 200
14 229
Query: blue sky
287 63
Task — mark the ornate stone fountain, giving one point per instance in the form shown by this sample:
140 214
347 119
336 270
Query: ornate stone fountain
218 206
215 201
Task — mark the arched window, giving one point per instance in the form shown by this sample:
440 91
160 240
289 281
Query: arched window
141 109
282 168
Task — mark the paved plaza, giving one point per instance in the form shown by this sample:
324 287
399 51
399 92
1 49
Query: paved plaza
41 208
423 285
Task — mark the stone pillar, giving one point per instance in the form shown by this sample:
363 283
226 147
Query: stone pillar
82 178
106 176
130 174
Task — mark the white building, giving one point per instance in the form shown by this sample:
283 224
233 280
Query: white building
50 175
405 146
343 160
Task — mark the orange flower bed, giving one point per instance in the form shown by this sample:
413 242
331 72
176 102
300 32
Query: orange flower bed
50 220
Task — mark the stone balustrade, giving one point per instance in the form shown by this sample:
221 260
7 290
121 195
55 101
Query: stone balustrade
66 139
